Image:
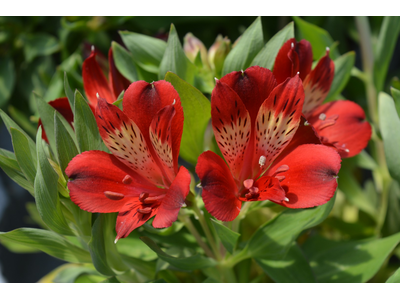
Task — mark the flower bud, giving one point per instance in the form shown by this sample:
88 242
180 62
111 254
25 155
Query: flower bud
191 46
218 52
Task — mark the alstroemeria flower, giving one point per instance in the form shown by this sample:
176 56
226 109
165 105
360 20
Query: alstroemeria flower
140 179
268 156
338 123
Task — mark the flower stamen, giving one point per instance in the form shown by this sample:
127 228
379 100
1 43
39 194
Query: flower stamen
113 195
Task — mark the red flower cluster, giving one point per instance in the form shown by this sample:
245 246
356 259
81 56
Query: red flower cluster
341 123
270 154
140 179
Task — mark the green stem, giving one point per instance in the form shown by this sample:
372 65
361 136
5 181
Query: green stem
240 217
185 219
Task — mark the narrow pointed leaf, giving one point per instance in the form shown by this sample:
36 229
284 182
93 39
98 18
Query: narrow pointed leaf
387 39
7 79
197 112
350 261
48 242
25 159
389 124
72 272
69 92
228 237
396 97
250 43
146 51
66 149
185 263
318 37
343 66
46 193
124 62
293 267
175 60
395 278
87 133
273 239
266 57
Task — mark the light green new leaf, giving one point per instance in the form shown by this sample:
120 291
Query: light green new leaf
185 263
318 37
389 124
175 60
293 267
7 79
343 66
228 237
395 278
146 51
250 43
10 166
48 242
387 39
273 239
66 148
351 261
86 131
125 62
46 193
26 160
266 57
197 113
39 44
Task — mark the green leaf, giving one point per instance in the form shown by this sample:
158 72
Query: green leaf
389 124
228 237
86 131
175 60
71 272
39 44
273 239
395 278
185 263
46 193
55 87
318 37
125 62
292 267
197 112
364 160
10 166
387 39
146 268
66 148
350 261
343 66
25 158
392 220
266 57
146 51
69 92
7 79
250 43
48 242
396 97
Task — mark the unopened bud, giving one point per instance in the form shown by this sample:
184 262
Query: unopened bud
218 52
192 46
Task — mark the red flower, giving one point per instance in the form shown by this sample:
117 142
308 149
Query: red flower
339 123
269 155
140 179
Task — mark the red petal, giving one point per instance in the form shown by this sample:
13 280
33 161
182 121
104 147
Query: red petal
160 136
311 178
277 122
269 188
231 124
350 132
63 107
317 84
118 82
174 200
142 101
253 86
94 81
219 188
291 60
126 142
130 218
93 173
